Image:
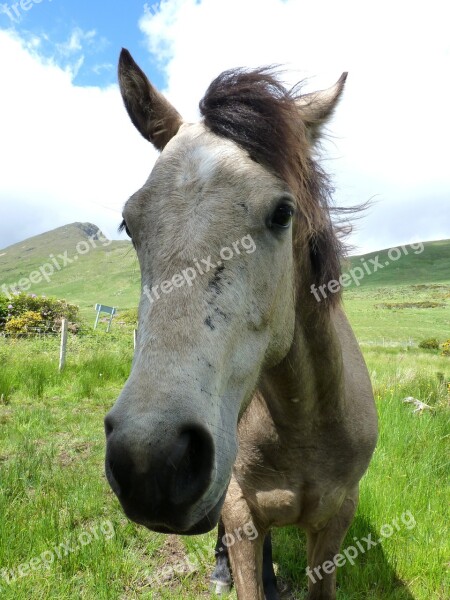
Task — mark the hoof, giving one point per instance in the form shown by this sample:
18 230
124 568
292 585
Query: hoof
220 588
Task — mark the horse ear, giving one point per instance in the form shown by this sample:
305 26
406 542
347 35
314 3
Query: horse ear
316 108
152 115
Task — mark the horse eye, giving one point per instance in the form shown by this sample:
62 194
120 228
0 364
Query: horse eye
123 226
282 216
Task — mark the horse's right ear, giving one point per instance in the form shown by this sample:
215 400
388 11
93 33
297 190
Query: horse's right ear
152 115
316 108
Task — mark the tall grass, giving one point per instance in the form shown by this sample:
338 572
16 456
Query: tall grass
53 489
29 370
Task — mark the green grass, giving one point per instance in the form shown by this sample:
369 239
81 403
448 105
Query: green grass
53 489
408 266
375 324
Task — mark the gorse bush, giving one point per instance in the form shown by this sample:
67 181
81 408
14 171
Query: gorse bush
429 344
49 308
4 310
129 317
28 321
23 313
446 348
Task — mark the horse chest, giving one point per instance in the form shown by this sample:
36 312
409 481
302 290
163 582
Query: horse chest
298 485
309 505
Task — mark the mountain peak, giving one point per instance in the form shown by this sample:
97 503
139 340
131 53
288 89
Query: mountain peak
89 229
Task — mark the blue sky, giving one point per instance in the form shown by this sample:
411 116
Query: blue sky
113 25
68 151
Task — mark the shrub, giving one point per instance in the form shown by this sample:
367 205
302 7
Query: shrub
49 308
4 310
28 321
129 317
50 311
429 344
446 348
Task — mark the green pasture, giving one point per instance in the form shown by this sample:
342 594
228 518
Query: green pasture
63 534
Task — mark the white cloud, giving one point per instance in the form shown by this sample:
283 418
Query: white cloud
392 128
70 153
67 153
76 41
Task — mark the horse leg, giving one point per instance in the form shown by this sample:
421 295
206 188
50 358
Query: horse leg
323 546
221 576
245 551
246 564
268 574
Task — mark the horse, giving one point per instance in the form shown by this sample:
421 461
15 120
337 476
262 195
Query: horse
249 402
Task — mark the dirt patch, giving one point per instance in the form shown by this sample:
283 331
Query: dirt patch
78 451
171 568
173 565
5 415
425 304
430 286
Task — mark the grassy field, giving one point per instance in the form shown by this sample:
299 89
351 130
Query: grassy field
62 532
398 315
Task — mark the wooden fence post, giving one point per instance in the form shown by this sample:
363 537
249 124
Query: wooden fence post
62 351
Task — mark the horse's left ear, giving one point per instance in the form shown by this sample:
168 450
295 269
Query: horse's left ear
152 115
316 108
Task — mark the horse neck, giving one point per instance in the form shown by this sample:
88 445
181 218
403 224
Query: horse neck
309 380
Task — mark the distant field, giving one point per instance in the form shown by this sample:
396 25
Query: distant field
399 313
406 265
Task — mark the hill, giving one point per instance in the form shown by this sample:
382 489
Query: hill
406 265
403 297
77 263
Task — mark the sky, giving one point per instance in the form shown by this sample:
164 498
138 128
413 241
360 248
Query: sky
68 151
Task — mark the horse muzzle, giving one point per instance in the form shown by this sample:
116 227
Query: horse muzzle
164 476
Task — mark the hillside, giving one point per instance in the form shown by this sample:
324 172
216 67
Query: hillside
405 301
77 263
405 266
85 268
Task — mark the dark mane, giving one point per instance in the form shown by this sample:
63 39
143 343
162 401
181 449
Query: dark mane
256 111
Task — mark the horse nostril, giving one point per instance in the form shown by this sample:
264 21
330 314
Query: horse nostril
108 425
154 479
119 470
192 460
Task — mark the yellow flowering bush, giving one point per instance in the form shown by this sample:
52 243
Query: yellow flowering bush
27 321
